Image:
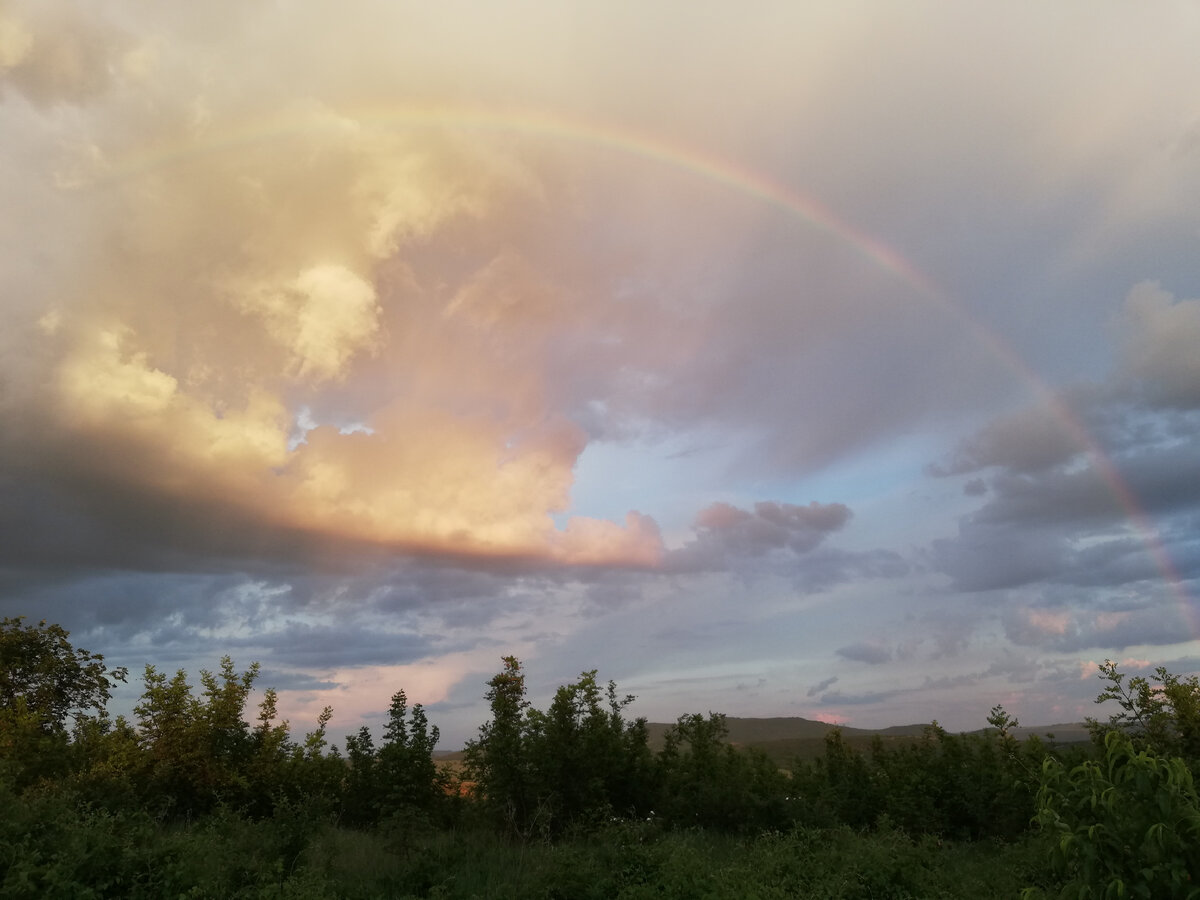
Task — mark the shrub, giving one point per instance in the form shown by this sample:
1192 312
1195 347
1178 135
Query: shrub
1126 826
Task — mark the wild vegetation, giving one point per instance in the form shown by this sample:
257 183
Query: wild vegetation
194 799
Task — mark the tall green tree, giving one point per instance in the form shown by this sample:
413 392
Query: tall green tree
409 780
588 762
498 760
46 686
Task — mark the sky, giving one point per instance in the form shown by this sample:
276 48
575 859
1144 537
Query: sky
793 359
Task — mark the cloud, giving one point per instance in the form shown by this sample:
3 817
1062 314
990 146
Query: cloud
822 686
1028 441
323 316
983 557
53 56
725 532
1095 486
869 652
1076 629
1159 335
864 698
456 447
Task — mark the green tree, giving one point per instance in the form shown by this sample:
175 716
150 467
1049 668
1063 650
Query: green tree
589 763
199 751
851 791
966 786
360 799
408 778
576 764
46 685
270 750
498 760
43 674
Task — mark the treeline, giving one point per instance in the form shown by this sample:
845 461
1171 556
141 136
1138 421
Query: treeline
113 807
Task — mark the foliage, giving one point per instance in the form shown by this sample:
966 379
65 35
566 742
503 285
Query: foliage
399 782
196 750
589 763
966 786
707 782
1126 826
191 799
44 683
409 778
48 678
577 763
53 848
1160 713
498 760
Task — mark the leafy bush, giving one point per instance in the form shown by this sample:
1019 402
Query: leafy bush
1160 713
1126 826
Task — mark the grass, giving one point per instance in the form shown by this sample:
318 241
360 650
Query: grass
55 849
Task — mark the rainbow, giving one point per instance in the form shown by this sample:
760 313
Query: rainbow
712 168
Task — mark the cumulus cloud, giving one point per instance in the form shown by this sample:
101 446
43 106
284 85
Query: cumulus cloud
254 293
1159 334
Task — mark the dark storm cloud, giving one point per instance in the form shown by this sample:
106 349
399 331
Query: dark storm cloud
57 515
983 557
1162 480
781 539
122 603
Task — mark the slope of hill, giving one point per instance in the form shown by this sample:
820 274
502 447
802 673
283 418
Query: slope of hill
756 732
788 738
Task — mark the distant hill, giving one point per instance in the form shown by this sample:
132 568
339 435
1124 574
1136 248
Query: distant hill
754 732
785 739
